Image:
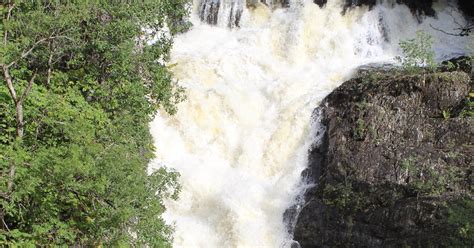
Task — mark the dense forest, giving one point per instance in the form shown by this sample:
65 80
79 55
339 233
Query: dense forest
80 81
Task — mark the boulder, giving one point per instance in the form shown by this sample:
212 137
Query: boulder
394 167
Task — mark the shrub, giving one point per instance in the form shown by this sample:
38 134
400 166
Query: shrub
417 53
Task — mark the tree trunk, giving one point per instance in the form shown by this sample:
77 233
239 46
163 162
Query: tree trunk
17 100
19 119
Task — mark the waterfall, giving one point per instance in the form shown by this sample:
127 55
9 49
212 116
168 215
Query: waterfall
253 77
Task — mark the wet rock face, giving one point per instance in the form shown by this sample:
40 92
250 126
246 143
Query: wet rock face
209 11
396 154
321 3
418 7
274 3
467 6
355 3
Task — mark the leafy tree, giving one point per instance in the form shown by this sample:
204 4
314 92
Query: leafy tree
418 54
79 83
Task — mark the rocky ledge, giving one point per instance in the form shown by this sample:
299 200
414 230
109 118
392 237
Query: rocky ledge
394 168
418 7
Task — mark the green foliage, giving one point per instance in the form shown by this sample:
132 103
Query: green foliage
417 53
343 196
461 217
446 114
360 129
81 167
451 66
339 195
359 132
468 106
426 180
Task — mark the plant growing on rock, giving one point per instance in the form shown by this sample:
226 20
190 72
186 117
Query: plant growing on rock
418 55
430 181
468 109
359 132
461 216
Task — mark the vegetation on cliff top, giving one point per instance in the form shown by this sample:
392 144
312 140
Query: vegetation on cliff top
80 81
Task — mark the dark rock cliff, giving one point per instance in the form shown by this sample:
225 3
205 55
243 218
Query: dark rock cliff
209 9
395 167
467 6
418 7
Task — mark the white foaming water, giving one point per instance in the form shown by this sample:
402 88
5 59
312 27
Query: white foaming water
240 140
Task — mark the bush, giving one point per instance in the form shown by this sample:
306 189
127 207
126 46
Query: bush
417 53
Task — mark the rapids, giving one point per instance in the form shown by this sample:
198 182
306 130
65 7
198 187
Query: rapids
240 140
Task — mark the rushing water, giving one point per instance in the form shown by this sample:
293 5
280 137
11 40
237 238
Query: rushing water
240 140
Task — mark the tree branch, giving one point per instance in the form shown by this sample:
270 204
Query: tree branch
50 64
11 5
19 114
29 51
9 81
28 88
11 175
464 31
4 223
4 195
